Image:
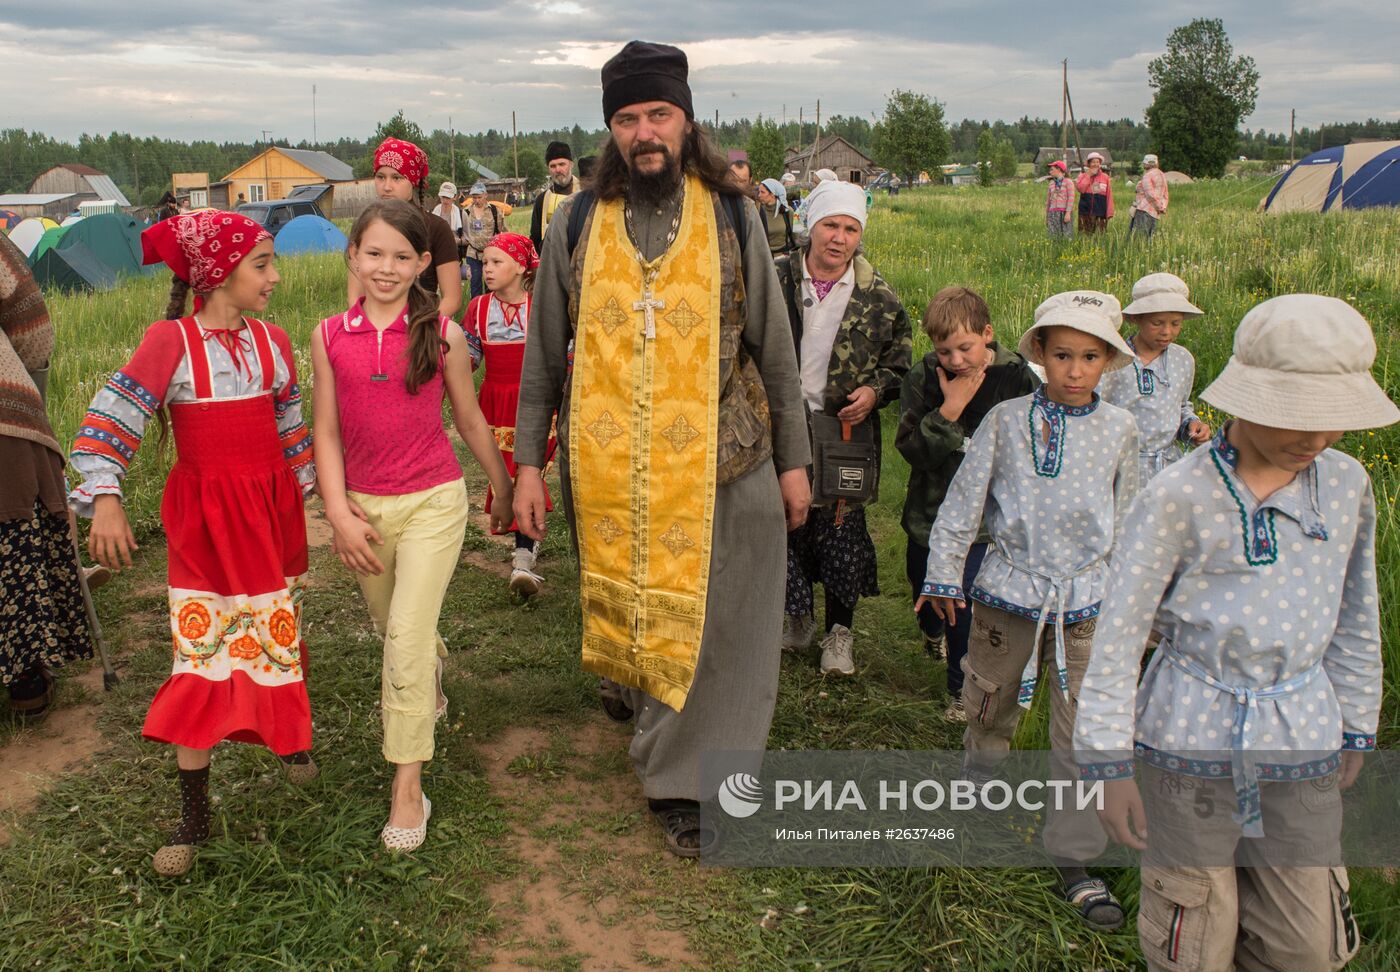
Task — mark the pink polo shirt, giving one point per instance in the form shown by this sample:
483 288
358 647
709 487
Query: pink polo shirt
393 442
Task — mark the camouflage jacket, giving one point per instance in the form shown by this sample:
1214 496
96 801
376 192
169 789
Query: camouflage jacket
874 345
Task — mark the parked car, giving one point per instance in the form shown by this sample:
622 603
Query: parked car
279 212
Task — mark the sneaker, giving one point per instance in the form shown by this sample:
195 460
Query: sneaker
837 649
955 711
798 631
936 648
523 579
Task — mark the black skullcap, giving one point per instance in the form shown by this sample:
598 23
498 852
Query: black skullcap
558 150
642 71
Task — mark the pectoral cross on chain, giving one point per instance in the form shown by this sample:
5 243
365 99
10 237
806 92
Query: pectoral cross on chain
649 305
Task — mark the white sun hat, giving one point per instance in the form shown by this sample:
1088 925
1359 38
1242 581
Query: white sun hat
1303 362
1089 311
1159 293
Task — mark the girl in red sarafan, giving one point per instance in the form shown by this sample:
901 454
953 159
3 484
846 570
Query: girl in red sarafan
496 325
232 507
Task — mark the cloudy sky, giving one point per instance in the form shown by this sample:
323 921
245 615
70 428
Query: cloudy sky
230 70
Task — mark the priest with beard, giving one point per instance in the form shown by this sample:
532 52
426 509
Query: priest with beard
683 438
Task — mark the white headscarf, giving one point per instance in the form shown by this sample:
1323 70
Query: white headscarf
835 199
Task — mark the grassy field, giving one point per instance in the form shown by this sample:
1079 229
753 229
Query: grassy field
296 880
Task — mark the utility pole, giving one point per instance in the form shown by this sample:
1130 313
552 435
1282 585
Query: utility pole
314 140
267 185
716 123
452 148
514 146
1064 113
817 142
136 172
802 138
1292 121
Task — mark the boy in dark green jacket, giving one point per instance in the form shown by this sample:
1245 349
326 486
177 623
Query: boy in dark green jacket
943 400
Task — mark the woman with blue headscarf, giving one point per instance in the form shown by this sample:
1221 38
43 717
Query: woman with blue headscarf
777 218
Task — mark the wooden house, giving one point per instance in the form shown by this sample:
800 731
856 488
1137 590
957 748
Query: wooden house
277 171
54 205
192 186
835 153
1049 153
76 179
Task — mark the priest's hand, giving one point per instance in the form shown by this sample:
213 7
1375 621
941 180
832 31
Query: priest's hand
797 496
529 505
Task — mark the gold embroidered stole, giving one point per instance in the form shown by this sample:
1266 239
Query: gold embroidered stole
645 415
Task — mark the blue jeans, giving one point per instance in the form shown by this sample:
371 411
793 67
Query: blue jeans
473 273
930 624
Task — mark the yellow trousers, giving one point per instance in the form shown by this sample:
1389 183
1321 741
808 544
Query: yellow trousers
423 534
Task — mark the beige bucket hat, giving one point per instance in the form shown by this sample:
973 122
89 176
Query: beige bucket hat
1303 362
1159 293
1089 311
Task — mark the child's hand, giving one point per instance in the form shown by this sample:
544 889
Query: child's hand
944 607
353 536
110 540
501 502
958 391
1123 817
1066 215
1198 432
1350 768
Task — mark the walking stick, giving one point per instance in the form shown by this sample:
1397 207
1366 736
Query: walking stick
109 671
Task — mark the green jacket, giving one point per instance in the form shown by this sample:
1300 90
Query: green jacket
873 345
932 445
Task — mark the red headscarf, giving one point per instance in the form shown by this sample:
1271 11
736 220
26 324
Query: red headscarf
405 158
202 248
518 248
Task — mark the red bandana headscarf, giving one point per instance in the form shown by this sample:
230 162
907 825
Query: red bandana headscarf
202 248
518 248
405 158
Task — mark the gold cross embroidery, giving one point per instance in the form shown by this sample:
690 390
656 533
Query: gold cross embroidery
610 316
683 319
604 429
681 433
608 529
675 540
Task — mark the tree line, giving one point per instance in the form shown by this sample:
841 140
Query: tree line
1201 93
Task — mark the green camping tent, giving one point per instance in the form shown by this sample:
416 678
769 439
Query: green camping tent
113 238
47 242
73 267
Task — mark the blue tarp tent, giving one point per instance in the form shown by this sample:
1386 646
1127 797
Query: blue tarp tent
309 234
1354 176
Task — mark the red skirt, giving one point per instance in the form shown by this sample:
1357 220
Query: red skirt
499 397
236 534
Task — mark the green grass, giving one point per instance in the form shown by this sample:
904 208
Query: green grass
295 879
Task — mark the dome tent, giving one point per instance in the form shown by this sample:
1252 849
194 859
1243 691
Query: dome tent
1355 176
113 238
309 234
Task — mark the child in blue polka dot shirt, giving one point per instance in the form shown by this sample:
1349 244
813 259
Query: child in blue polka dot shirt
1255 558
1054 472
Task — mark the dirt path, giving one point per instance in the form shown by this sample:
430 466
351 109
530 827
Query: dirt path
34 758
584 840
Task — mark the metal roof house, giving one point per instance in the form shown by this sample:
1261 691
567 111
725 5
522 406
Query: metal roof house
81 180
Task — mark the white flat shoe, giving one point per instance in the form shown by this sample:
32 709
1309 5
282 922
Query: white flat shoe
407 839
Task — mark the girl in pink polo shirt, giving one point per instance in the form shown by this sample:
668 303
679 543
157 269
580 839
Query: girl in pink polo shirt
392 484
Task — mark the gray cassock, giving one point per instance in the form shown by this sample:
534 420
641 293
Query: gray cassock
730 705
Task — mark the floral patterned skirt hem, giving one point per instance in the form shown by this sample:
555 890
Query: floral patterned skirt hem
841 557
42 617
